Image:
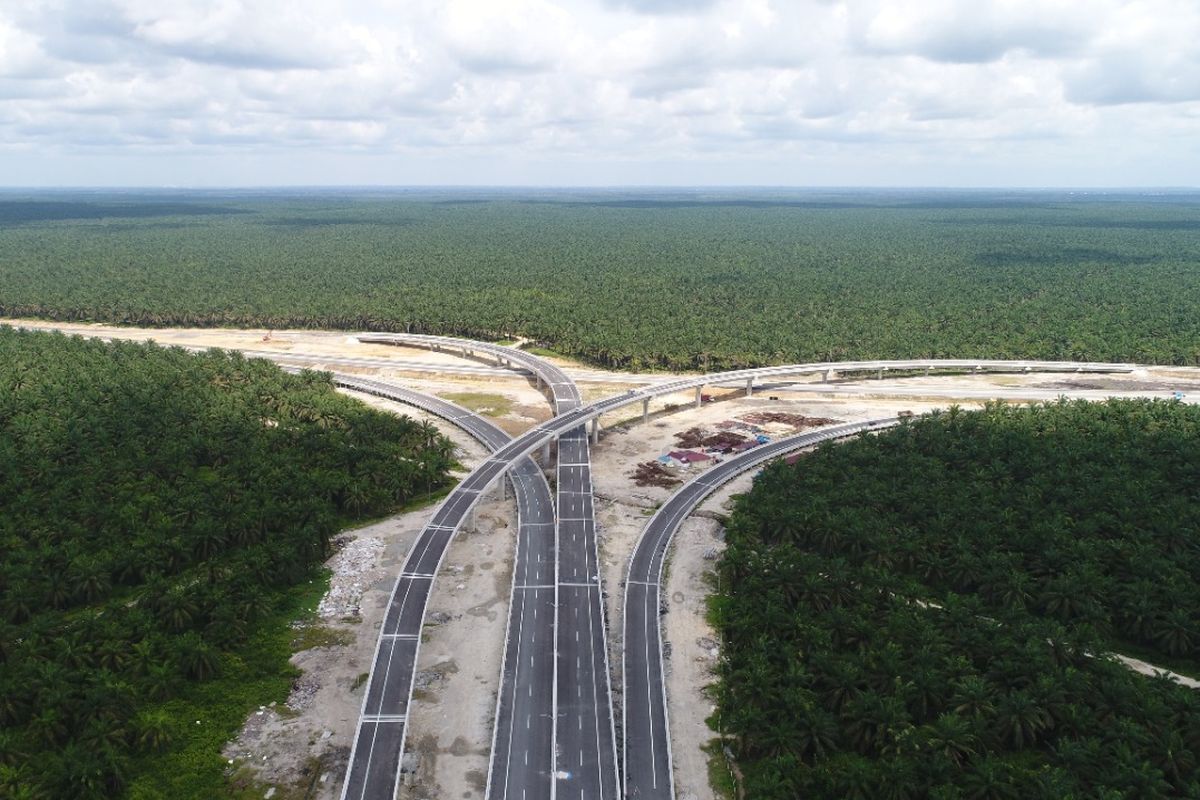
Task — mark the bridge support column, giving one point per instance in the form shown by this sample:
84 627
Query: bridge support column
927 372
699 396
749 387
546 454
595 430
645 410
879 375
829 375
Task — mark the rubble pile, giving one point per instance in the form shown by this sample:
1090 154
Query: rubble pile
351 567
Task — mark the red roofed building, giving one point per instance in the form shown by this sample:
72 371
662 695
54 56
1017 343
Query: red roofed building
689 456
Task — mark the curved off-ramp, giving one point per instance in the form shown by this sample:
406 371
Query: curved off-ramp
647 736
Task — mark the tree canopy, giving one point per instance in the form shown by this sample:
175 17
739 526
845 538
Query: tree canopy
930 612
157 507
639 280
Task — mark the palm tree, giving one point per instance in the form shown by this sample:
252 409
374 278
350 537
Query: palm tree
989 778
153 731
1020 721
949 736
1175 631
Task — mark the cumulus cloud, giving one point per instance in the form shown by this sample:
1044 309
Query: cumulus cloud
571 88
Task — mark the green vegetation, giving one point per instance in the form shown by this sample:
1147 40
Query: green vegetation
924 613
165 516
635 280
486 403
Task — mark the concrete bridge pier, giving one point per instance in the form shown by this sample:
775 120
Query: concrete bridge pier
645 410
699 396
595 430
546 454
749 387
829 375
927 372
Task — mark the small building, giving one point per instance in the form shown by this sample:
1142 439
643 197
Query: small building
688 457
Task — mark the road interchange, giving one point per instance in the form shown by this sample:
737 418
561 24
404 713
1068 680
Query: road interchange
646 732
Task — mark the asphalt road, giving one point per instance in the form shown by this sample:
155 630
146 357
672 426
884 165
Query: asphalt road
528 667
647 737
573 636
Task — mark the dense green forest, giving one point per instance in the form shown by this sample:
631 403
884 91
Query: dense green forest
159 508
926 612
686 279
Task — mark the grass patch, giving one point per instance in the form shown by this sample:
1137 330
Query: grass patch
485 403
207 715
720 776
544 352
244 786
312 635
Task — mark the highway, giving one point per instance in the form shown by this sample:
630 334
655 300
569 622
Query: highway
520 763
584 734
647 736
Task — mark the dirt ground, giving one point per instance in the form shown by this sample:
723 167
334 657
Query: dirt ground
301 749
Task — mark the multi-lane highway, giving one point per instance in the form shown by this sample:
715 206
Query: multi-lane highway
374 760
647 736
521 756
583 733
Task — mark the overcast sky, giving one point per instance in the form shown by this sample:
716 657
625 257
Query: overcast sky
611 92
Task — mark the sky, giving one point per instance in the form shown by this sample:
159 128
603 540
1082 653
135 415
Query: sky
955 93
